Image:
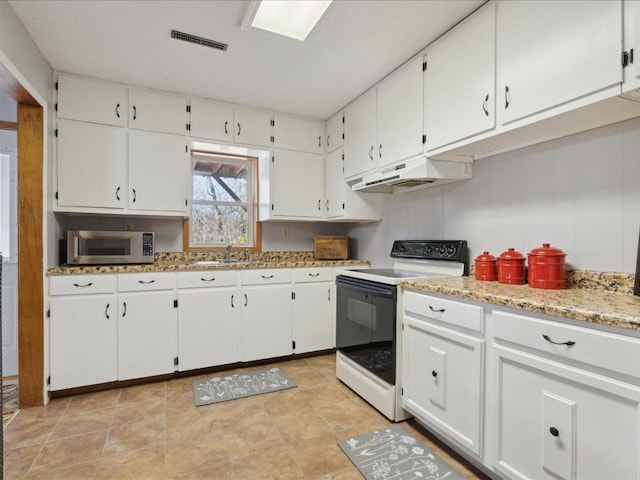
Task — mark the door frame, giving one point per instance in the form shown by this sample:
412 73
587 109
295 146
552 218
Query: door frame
30 128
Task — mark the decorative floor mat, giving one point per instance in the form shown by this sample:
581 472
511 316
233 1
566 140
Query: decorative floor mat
393 453
9 403
230 387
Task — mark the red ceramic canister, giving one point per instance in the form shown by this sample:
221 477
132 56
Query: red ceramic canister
486 267
511 267
547 267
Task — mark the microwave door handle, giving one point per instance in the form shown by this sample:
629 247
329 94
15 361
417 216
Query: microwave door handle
76 248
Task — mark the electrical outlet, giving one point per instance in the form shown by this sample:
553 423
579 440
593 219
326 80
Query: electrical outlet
285 232
128 226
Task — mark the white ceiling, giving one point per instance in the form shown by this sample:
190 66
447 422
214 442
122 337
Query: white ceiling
355 44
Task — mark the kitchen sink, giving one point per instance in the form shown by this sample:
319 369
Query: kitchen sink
223 261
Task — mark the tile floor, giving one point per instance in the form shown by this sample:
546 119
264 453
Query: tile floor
154 432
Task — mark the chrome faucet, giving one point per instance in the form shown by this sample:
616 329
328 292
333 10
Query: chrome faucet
227 252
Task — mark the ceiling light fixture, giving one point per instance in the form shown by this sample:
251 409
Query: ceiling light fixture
293 19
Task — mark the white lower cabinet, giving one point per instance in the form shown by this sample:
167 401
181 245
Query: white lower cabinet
208 319
265 298
443 371
83 328
313 309
147 325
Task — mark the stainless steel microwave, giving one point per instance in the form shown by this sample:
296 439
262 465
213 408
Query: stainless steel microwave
96 247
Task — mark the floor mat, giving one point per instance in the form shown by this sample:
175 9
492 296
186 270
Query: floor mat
221 389
393 453
9 403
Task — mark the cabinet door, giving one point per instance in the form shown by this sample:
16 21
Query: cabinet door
212 120
313 317
560 422
301 134
297 184
458 105
360 135
147 334
399 113
92 163
550 53
632 44
252 127
335 131
82 340
158 172
336 185
266 322
91 101
442 380
157 112
208 328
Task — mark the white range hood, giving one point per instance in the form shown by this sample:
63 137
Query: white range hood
415 173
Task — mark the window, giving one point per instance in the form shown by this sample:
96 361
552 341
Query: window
223 200
8 206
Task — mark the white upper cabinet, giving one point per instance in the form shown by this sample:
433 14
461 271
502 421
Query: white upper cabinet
156 112
212 120
399 113
295 133
335 131
252 127
459 81
91 101
296 184
632 46
551 53
92 165
360 135
158 172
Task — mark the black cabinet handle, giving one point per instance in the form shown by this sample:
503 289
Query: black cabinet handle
380 151
329 293
327 140
146 283
313 274
124 307
484 105
548 339
434 374
554 431
135 112
319 205
225 128
232 305
506 97
208 279
246 300
118 193
134 195
320 142
239 129
106 311
83 286
266 277
327 205
118 110
371 153
436 310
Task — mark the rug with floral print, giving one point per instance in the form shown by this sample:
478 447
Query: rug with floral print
240 385
393 453
9 403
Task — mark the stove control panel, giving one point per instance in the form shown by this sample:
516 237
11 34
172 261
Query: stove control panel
454 250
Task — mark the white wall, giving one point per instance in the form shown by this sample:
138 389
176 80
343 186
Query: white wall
580 193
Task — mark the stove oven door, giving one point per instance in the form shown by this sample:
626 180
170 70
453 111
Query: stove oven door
365 324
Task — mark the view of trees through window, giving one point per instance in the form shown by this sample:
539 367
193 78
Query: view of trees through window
221 210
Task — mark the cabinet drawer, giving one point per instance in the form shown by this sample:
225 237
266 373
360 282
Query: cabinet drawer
265 276
452 313
82 284
207 278
142 282
591 347
323 274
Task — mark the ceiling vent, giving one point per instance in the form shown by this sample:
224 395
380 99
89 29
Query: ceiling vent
187 37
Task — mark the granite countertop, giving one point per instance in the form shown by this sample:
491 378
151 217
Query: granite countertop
591 297
172 262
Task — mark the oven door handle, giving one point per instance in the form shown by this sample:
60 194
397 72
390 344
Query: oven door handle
369 289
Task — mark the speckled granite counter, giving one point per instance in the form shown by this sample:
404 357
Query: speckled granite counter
594 304
171 262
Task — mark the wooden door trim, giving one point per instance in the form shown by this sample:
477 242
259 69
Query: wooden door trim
30 256
4 125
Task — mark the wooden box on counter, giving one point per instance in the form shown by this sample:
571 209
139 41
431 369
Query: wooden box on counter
332 248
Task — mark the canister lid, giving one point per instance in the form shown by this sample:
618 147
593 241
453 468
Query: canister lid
511 254
485 257
547 251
